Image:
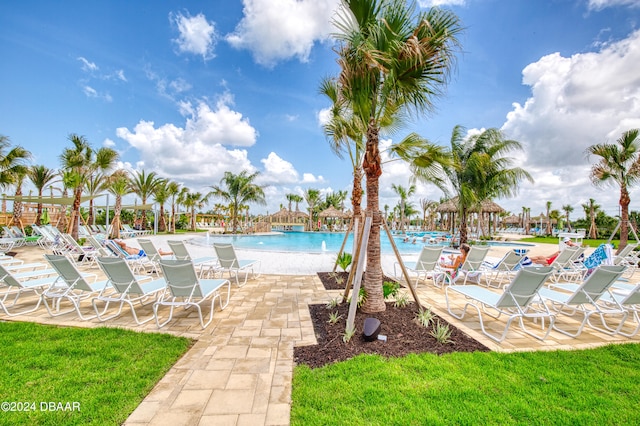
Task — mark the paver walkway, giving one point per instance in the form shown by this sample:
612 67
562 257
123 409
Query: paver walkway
239 370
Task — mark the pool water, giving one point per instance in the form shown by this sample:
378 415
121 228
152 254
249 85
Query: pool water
321 242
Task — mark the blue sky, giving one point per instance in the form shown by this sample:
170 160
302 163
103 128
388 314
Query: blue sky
191 89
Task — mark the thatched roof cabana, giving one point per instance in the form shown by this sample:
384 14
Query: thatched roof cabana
332 212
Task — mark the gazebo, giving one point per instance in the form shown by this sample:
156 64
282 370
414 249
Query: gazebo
287 220
487 207
332 213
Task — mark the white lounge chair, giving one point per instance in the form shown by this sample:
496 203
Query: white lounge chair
584 298
14 285
506 267
185 289
229 262
515 302
426 264
72 286
128 288
205 264
625 297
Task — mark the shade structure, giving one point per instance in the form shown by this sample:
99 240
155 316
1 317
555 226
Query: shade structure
511 219
451 206
332 212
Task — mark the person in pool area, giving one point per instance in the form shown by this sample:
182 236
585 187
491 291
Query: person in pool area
135 251
548 260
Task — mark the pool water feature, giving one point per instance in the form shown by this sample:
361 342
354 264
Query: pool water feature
320 242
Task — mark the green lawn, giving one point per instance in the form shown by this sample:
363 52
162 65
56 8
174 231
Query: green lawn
101 375
589 387
586 241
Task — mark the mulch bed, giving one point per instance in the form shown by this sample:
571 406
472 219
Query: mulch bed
404 336
338 280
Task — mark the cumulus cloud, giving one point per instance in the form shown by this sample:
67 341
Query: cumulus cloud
299 24
198 151
197 35
277 170
602 4
575 102
324 116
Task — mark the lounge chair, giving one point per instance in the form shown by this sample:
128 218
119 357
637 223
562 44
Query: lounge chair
152 253
426 264
71 286
14 285
584 298
128 288
229 262
505 268
563 266
206 265
137 262
471 268
185 289
515 302
624 297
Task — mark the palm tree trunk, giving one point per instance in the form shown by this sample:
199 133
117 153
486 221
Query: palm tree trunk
75 213
115 223
624 217
373 274
356 192
463 226
162 223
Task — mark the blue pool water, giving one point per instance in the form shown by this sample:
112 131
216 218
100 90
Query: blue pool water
318 242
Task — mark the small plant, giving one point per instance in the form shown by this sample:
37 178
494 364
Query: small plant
344 260
441 333
402 300
348 334
333 303
362 297
334 317
424 317
390 288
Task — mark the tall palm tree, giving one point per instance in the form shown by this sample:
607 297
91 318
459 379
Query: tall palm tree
404 194
20 174
590 210
481 170
193 201
548 218
95 185
12 160
238 189
41 176
619 165
162 196
173 189
119 184
290 198
297 199
82 161
311 196
394 60
567 210
144 186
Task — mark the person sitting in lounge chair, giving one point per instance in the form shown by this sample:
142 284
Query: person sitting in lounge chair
459 260
135 251
548 260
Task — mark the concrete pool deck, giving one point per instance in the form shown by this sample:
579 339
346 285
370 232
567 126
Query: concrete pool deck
240 368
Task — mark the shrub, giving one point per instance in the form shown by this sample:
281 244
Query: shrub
344 260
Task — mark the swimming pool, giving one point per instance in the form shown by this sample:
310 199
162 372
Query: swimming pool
317 242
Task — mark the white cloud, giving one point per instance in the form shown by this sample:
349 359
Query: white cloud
108 143
120 75
602 4
439 3
324 116
197 35
576 102
90 92
277 170
275 30
87 65
195 152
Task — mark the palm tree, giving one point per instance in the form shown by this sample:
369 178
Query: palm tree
297 199
394 60
567 209
11 161
193 201
590 210
82 162
311 196
238 189
548 218
162 195
41 176
290 200
404 194
144 186
96 184
618 164
173 189
480 170
118 184
20 173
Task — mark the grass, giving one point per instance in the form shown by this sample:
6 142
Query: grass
595 386
106 371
